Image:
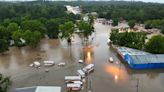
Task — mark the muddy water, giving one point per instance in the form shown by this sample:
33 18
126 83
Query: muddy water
107 77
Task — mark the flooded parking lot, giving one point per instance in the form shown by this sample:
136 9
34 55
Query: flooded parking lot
107 77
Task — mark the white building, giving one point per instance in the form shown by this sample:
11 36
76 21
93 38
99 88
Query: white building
75 10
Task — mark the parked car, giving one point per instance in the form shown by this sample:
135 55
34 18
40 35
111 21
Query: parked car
73 86
110 60
81 73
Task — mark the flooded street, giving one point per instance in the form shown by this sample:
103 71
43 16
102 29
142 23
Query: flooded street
107 77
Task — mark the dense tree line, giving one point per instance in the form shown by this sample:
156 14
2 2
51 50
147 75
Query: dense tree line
136 40
36 19
31 21
151 14
156 23
155 45
128 39
138 11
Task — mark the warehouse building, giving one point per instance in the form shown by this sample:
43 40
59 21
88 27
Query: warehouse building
141 60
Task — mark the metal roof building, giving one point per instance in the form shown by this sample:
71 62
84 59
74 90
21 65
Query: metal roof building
141 60
39 89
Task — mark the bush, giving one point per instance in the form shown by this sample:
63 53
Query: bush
5 83
3 45
155 45
131 23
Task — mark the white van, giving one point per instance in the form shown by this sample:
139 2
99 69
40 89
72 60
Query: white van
72 78
73 86
81 73
89 68
81 61
49 63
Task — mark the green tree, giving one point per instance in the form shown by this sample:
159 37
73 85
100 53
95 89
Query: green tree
12 27
131 23
6 22
86 28
4 33
66 30
5 83
148 25
162 30
114 36
16 36
34 25
53 27
32 38
155 45
3 45
91 19
115 22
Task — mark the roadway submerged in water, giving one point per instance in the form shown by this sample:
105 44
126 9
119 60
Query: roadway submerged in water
107 77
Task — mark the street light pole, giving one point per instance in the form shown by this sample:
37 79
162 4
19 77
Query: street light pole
137 85
90 88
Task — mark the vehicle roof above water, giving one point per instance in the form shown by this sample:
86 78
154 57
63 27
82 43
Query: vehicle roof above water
73 85
72 77
89 66
80 72
77 82
49 62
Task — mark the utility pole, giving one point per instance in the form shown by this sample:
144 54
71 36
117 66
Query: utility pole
89 87
137 85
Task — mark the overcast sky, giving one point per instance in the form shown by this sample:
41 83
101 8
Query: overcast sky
159 1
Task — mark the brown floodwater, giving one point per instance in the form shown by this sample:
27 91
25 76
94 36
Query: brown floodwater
107 77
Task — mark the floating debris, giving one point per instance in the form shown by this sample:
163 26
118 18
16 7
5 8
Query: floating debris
81 61
61 64
110 60
46 70
37 64
31 65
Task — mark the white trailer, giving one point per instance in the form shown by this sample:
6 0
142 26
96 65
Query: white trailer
73 86
72 78
49 63
89 68
78 82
